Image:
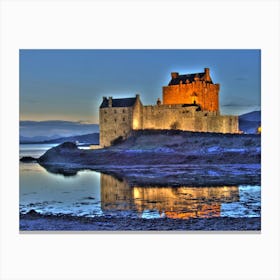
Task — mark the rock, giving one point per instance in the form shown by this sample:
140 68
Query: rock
28 159
67 145
32 212
60 153
62 170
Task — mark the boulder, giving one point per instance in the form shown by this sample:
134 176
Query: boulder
28 159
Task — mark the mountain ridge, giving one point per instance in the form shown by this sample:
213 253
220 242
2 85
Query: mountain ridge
91 138
249 122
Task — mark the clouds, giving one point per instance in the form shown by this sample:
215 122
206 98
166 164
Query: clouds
243 79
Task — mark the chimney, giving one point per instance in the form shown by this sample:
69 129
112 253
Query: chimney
137 97
174 75
110 104
207 74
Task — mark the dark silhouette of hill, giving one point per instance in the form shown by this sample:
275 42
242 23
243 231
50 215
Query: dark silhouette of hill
250 122
39 131
91 138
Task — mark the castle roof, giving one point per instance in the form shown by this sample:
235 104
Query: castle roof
183 78
118 102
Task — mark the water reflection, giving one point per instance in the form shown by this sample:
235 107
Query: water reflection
90 193
173 202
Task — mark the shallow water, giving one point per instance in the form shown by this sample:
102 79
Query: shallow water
34 150
94 194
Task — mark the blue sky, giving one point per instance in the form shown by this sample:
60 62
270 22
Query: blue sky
69 84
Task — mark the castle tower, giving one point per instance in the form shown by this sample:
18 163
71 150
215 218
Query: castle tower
118 117
192 88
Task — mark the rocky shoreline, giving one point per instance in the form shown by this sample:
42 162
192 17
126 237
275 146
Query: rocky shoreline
166 157
34 221
172 175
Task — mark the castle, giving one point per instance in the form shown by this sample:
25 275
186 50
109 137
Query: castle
190 102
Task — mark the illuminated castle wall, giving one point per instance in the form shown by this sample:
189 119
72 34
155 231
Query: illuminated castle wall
192 88
190 103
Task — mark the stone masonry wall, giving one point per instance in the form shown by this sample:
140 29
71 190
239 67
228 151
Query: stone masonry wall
203 93
114 122
187 118
137 114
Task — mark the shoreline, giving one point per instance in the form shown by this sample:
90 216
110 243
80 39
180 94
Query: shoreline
34 221
171 175
165 157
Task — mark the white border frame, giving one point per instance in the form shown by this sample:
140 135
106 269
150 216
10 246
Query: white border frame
156 24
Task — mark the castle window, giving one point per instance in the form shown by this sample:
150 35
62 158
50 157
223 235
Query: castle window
105 112
105 120
205 115
123 119
115 111
123 110
115 132
124 132
115 120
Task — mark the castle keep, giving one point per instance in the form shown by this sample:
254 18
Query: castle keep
190 102
192 88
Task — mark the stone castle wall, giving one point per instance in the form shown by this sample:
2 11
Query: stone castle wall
200 92
114 122
187 118
137 114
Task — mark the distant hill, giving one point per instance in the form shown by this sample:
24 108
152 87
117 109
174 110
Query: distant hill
92 138
34 139
34 131
250 122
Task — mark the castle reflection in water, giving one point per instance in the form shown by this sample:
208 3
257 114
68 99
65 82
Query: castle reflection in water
173 202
